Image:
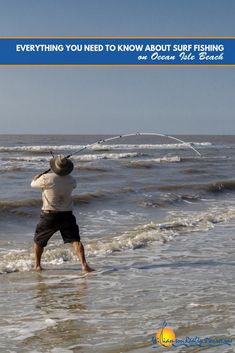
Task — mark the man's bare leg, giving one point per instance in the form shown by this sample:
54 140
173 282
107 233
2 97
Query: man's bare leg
38 254
79 248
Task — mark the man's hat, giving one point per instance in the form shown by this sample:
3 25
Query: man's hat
61 165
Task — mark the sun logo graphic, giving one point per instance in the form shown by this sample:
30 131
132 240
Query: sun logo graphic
164 337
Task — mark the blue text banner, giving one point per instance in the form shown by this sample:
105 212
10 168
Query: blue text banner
117 51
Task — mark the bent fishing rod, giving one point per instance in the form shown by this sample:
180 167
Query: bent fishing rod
101 141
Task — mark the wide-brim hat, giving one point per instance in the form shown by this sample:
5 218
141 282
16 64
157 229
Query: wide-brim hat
61 165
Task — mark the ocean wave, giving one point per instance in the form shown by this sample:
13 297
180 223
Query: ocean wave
166 200
79 158
163 200
94 157
215 187
12 169
98 147
21 164
13 164
177 224
148 163
100 195
9 205
40 149
196 192
26 159
124 146
90 168
15 205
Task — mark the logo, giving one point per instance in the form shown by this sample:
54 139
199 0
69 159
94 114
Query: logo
166 337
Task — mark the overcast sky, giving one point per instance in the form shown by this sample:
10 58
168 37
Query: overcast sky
113 100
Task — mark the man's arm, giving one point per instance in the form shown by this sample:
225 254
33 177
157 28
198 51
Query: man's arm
38 181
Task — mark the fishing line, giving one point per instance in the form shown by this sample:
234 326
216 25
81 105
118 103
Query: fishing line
101 141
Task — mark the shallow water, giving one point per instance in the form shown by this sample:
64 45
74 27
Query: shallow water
190 284
159 234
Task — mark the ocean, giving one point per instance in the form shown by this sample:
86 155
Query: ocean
157 221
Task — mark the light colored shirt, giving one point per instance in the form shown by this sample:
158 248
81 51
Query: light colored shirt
56 191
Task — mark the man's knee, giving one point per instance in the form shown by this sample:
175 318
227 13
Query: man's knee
78 245
38 247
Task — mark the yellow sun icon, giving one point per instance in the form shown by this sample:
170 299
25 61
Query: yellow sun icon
165 337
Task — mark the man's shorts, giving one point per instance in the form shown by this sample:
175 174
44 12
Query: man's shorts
51 222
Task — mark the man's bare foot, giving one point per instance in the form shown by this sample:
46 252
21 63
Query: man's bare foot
38 268
87 268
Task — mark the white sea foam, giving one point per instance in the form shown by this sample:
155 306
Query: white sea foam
193 305
83 158
28 330
151 146
61 350
149 162
94 157
183 223
38 162
38 148
98 147
19 163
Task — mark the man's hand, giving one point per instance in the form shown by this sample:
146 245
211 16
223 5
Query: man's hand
36 176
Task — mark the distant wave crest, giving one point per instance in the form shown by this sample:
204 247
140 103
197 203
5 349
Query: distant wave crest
99 147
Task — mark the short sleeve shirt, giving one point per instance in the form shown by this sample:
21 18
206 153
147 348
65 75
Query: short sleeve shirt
56 191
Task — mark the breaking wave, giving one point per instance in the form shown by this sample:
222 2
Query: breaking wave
92 157
177 224
20 164
148 163
81 158
99 147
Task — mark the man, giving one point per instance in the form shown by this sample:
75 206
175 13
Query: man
56 215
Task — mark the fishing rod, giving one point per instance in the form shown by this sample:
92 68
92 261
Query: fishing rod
99 142
187 144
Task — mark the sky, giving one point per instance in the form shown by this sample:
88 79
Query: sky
113 100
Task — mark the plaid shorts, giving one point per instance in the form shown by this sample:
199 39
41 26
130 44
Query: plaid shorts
51 222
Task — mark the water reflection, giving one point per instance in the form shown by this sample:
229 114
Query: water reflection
56 293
